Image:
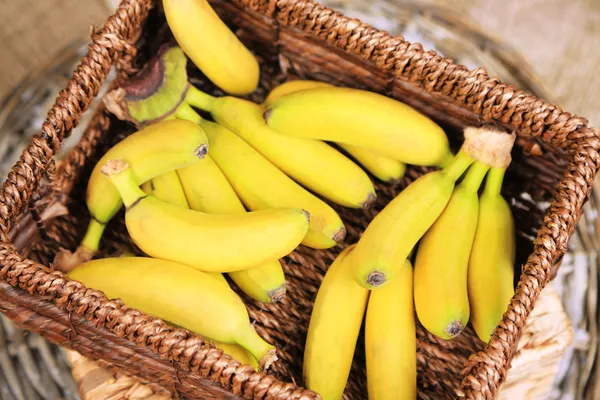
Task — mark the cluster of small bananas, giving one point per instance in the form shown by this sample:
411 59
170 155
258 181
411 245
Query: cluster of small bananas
463 246
204 199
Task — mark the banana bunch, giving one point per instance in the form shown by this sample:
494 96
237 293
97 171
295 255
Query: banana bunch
463 248
224 199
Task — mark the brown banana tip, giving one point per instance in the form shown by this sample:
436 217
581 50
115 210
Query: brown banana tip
114 167
340 235
267 114
307 215
66 261
201 151
369 201
376 279
276 295
267 360
454 329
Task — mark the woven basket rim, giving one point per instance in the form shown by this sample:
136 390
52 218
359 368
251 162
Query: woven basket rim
399 59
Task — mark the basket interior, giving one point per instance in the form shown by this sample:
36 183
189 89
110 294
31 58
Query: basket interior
283 53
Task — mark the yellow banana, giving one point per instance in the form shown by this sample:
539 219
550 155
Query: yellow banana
237 352
292 87
491 273
312 163
212 46
151 151
390 339
361 118
208 242
394 232
177 293
166 187
261 186
383 168
208 190
441 294
333 330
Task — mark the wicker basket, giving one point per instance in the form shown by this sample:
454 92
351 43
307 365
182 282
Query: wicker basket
552 145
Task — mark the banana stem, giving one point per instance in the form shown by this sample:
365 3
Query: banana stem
458 165
475 176
262 351
185 111
92 237
493 183
199 99
121 175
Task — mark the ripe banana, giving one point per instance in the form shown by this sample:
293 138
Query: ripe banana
383 168
491 273
292 87
208 190
333 330
166 187
208 242
212 46
312 163
390 339
361 118
261 186
179 294
237 352
151 151
441 294
394 232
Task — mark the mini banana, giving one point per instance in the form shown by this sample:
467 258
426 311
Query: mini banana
151 151
491 265
208 190
167 187
394 232
363 119
383 168
261 186
209 242
390 339
312 163
441 294
179 294
333 329
212 46
292 87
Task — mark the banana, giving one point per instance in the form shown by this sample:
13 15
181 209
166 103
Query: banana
394 232
261 186
166 187
363 119
292 87
212 46
312 163
237 352
491 273
151 151
333 329
390 339
208 190
441 294
383 168
179 294
208 242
